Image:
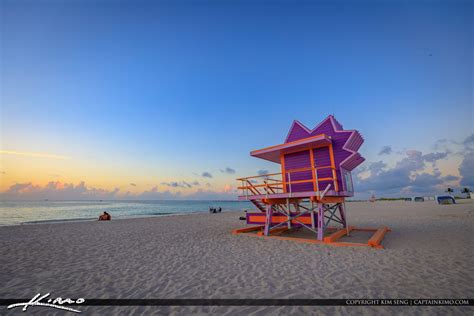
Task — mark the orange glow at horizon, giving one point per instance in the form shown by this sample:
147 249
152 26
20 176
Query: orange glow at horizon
22 169
30 154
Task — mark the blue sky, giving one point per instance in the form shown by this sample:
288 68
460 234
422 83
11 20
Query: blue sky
153 92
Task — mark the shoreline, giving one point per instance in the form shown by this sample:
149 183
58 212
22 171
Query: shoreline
73 220
28 213
92 219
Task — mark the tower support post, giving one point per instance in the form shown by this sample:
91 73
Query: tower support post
342 213
288 210
268 219
320 221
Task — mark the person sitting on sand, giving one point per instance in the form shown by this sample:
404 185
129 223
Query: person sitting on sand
105 217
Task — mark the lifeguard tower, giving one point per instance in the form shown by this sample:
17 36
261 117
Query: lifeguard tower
311 188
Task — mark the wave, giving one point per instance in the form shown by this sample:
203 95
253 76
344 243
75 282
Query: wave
46 221
85 219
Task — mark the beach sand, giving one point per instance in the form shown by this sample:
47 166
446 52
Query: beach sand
428 254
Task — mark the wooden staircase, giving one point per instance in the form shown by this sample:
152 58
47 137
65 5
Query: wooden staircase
259 204
263 208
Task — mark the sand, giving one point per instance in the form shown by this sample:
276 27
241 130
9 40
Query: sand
428 254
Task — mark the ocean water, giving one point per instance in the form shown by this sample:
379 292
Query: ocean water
28 212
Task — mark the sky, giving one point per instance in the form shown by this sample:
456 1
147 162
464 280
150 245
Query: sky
165 99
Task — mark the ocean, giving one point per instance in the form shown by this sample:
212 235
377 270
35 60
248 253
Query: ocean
30 212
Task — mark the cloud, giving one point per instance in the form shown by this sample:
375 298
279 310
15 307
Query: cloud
441 144
451 178
262 172
386 150
408 176
228 170
154 194
206 174
228 188
133 184
433 157
212 195
466 168
469 142
376 167
35 155
55 190
173 184
426 180
181 184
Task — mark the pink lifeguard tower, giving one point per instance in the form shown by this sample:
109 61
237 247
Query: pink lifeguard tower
311 188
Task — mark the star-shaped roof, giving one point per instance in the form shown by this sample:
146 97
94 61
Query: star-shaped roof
345 143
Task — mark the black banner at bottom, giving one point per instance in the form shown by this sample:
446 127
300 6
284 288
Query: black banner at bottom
261 302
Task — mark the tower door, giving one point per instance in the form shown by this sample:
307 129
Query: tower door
300 181
322 163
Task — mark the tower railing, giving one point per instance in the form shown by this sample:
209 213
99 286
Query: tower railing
275 183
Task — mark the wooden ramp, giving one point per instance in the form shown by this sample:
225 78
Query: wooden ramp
333 239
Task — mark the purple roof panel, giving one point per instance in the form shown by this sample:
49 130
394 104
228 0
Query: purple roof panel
345 143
